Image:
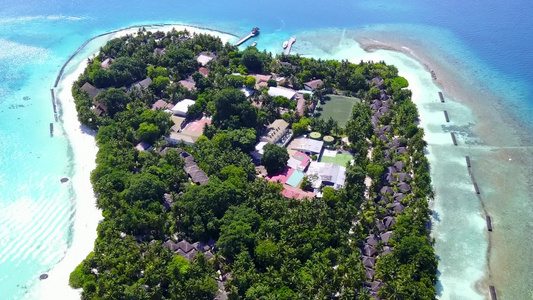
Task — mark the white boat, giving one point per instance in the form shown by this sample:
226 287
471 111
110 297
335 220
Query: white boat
254 44
285 44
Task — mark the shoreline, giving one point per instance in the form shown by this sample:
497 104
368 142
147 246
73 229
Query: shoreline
83 147
500 151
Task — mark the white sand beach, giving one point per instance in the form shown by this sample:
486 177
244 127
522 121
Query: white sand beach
84 148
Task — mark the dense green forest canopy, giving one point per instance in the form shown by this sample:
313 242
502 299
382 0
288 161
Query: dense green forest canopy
267 246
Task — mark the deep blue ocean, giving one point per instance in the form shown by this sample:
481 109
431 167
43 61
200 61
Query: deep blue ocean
491 40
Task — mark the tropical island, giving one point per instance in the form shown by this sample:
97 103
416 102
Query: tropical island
229 174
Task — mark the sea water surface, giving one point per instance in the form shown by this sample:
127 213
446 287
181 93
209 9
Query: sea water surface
479 50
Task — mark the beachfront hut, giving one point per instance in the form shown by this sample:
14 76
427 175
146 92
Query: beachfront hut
389 221
398 207
383 96
372 240
369 262
387 190
391 170
384 110
401 150
374 107
369 273
386 250
381 198
185 246
404 187
369 250
377 82
386 236
398 165
398 197
375 286
389 178
403 177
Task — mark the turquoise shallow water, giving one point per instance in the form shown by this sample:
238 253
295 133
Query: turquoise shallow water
487 42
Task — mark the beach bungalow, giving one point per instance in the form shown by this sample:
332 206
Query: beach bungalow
181 108
369 262
281 91
91 90
398 165
398 197
313 84
387 190
368 250
389 221
404 187
369 273
398 207
386 250
386 236
98 108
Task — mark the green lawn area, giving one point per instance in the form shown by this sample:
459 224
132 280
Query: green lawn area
339 159
339 108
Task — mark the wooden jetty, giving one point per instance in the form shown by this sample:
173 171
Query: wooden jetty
288 49
255 31
493 295
453 139
489 223
468 161
441 97
476 188
51 129
446 116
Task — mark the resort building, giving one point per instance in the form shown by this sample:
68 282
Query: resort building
204 71
187 134
205 58
299 161
291 179
143 146
281 91
188 250
276 132
143 84
188 84
305 145
261 79
247 92
162 105
313 84
328 174
181 108
107 63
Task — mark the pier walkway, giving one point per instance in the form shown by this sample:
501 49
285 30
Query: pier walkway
288 49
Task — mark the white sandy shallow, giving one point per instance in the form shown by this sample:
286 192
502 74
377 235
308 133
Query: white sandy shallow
87 215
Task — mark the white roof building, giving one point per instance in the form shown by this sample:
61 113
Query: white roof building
329 174
307 146
247 92
181 108
280 91
203 59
